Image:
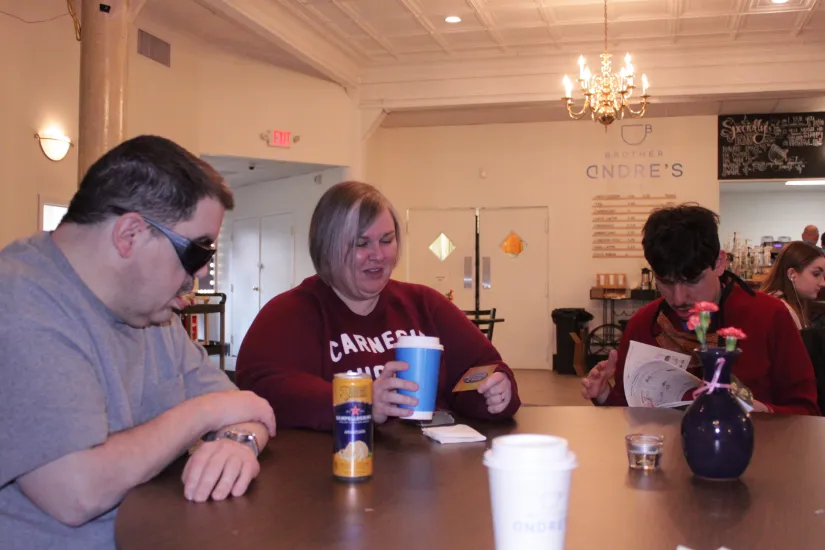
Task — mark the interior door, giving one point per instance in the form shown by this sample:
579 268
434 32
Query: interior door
246 253
515 281
277 256
443 263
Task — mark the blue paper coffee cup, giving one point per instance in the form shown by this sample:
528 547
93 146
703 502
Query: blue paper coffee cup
423 355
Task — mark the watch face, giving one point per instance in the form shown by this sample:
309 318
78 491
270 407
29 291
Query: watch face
246 438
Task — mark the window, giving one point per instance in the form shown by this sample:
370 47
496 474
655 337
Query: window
50 215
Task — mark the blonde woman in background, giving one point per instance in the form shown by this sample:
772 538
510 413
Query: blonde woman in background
796 278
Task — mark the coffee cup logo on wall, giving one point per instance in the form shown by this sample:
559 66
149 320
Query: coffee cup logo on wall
639 161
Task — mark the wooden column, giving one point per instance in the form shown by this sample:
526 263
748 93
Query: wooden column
103 70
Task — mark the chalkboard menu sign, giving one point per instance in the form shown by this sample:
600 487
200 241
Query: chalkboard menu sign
772 146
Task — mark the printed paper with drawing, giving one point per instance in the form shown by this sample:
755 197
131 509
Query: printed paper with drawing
656 377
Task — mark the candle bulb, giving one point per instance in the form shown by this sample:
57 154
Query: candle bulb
627 59
568 87
644 84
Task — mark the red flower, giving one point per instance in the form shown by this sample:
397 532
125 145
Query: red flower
731 332
700 307
693 322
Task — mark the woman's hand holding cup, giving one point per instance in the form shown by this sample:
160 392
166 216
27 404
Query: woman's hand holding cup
385 396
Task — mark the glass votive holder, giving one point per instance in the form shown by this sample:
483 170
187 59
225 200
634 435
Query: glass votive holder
644 451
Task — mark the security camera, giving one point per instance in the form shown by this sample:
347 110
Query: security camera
251 165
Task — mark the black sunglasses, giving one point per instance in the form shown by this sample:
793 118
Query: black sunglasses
192 255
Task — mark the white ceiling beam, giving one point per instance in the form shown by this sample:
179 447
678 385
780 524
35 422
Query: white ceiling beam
744 69
273 22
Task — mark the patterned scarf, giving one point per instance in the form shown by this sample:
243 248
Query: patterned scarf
682 342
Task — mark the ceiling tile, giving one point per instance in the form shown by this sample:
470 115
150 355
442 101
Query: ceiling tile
769 22
769 6
469 22
817 20
518 16
414 43
638 29
646 9
396 25
710 38
471 39
705 25
327 9
379 9
579 13
581 32
708 7
446 7
530 35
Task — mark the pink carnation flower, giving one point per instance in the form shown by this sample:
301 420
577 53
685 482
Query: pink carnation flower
700 307
693 322
731 332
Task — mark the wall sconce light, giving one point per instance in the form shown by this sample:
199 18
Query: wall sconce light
54 144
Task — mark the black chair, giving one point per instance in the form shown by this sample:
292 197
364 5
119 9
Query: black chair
484 319
814 339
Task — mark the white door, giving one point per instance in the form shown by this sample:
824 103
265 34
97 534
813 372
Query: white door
277 256
448 264
514 280
245 274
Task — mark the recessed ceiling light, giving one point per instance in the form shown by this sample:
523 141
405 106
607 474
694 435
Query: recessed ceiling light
805 182
455 19
779 1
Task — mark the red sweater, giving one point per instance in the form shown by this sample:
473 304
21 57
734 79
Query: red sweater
302 337
774 363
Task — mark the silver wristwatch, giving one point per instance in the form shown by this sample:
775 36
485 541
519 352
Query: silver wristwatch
243 437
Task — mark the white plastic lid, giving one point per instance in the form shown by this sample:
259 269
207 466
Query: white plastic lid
530 452
425 342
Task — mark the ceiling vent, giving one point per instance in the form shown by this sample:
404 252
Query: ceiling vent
154 48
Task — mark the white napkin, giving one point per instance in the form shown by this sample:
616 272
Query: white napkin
459 433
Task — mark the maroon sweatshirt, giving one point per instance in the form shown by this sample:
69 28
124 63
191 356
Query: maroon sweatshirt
302 337
774 363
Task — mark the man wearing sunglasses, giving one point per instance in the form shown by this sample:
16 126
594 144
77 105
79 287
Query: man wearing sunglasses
102 387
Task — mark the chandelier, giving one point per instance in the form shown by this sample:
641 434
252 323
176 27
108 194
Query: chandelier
606 96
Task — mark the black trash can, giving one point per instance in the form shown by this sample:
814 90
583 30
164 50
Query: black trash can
567 320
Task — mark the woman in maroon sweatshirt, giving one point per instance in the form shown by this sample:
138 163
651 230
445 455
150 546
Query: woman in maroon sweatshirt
347 318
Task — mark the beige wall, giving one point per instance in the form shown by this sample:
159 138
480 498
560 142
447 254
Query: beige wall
40 67
546 164
209 101
218 103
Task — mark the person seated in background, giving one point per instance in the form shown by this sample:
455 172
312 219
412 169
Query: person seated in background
681 245
810 234
347 318
796 277
102 387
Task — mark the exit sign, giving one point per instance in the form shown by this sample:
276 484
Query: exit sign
280 138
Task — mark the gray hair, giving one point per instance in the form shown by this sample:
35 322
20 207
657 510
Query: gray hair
342 214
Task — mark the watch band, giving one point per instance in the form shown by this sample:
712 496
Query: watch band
245 438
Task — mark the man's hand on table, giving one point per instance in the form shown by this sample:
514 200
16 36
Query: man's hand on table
596 385
219 468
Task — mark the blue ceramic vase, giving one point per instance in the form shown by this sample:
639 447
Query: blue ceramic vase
717 433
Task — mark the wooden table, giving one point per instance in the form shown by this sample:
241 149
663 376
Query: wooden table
427 496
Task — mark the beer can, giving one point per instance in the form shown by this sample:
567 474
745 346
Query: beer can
352 407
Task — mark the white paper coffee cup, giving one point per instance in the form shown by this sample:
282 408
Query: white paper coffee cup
529 490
